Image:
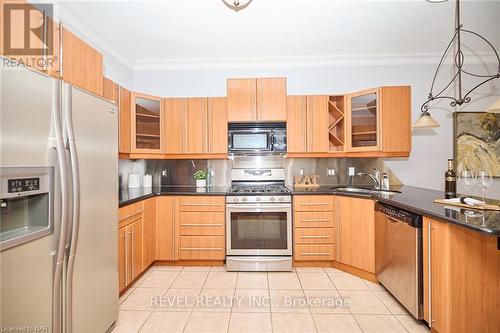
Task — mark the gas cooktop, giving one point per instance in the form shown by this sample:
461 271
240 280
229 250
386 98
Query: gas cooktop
256 189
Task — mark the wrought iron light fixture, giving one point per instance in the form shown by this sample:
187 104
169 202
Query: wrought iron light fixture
237 5
425 120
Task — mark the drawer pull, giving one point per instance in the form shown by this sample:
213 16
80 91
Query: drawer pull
315 204
315 220
308 237
201 249
316 254
202 204
201 224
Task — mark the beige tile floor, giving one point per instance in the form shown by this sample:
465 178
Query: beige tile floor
209 299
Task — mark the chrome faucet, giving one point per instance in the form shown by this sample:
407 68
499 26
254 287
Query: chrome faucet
376 182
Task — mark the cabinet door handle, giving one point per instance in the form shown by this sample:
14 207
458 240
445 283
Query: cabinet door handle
201 205
316 254
315 220
131 273
61 49
313 237
44 38
124 236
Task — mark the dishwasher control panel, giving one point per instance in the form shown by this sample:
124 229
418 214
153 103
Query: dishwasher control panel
412 219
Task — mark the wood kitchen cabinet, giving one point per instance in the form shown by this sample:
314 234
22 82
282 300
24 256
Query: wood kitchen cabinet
461 279
146 124
131 245
379 119
166 236
313 228
149 230
202 228
217 125
195 126
262 99
122 258
110 90
355 228
436 267
307 124
124 119
82 65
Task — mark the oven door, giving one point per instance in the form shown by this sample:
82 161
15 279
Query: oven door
255 229
250 141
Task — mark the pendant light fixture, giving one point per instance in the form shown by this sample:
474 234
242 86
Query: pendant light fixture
237 5
425 120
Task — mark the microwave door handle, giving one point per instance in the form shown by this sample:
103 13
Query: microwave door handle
271 136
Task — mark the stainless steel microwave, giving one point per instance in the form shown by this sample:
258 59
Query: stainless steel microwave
257 138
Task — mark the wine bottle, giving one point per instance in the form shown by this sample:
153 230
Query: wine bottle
450 181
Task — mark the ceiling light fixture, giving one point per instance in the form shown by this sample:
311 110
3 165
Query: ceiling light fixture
237 5
458 61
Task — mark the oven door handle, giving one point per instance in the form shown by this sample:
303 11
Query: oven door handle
252 207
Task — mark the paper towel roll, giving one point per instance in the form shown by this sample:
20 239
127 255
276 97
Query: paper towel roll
134 180
147 180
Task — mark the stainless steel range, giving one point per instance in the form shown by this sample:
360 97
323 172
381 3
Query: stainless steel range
259 217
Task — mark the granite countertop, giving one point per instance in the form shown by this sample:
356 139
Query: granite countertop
414 199
130 195
420 201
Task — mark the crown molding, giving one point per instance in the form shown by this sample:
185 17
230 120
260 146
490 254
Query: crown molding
68 17
379 59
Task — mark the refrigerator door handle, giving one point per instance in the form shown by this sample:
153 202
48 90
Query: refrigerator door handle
61 245
75 215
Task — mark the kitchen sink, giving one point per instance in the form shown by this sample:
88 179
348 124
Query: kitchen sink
353 190
362 190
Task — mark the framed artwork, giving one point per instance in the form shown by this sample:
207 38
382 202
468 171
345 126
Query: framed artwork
477 141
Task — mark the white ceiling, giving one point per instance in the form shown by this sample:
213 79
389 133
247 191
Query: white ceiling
180 33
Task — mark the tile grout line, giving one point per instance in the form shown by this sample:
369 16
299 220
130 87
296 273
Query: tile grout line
305 297
270 301
232 303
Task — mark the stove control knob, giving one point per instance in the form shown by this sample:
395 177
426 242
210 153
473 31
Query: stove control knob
244 199
235 199
258 199
281 199
273 198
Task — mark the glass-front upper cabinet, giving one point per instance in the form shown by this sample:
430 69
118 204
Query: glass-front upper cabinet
146 124
364 120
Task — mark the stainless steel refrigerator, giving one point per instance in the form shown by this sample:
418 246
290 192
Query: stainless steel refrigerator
58 206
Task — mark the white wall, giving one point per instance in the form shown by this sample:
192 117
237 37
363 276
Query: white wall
431 148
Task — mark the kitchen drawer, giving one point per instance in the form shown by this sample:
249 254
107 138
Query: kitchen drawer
313 220
129 214
202 204
313 203
314 252
313 236
202 248
202 223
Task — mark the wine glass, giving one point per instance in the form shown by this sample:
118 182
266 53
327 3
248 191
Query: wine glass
467 179
485 180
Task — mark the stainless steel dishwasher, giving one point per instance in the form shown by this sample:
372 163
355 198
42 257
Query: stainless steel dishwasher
398 255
